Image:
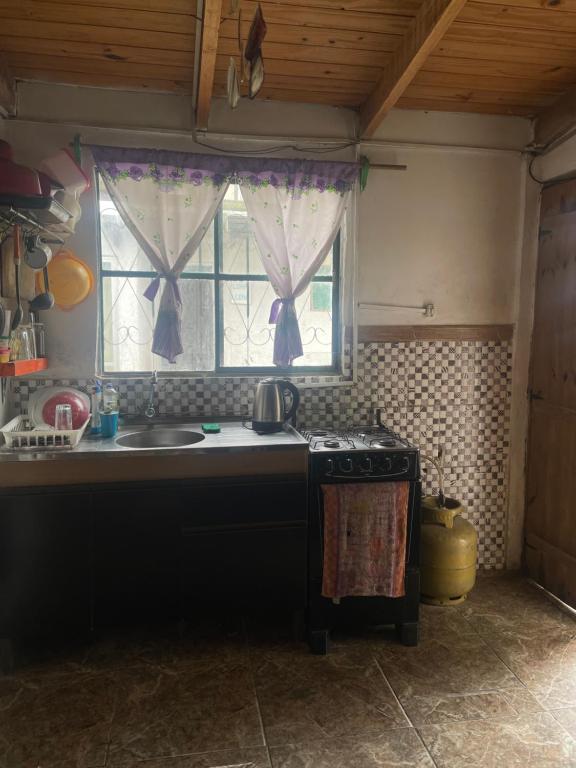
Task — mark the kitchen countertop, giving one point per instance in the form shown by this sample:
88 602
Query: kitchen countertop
233 437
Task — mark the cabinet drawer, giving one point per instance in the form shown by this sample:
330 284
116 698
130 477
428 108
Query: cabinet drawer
244 567
244 503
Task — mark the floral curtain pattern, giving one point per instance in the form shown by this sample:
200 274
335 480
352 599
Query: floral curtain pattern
168 210
168 199
295 227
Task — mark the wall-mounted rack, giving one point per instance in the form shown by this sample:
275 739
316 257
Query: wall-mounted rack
428 310
42 216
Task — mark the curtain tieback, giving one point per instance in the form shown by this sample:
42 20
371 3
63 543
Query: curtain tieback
152 290
275 309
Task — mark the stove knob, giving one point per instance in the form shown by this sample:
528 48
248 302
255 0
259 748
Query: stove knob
366 464
329 466
345 464
387 464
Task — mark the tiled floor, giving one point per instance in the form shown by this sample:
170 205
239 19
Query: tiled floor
491 685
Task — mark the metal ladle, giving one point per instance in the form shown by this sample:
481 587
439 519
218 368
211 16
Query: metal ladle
43 301
18 312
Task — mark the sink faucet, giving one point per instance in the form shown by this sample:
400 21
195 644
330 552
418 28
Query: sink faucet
150 410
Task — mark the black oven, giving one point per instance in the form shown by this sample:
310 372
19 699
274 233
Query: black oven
395 463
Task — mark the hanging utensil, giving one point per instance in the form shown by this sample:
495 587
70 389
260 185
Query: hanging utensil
256 35
71 278
256 76
233 86
37 254
43 301
241 48
253 51
17 318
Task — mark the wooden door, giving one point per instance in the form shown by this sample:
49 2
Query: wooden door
550 526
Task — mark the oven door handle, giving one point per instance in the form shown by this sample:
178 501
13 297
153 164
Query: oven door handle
386 476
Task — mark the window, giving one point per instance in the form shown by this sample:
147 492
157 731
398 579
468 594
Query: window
226 299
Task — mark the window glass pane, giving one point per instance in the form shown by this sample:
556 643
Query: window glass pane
198 327
239 250
120 250
128 323
203 257
328 265
249 338
119 247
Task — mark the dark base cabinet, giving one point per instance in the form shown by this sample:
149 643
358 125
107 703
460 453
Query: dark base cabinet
74 562
136 555
245 544
45 567
45 562
163 553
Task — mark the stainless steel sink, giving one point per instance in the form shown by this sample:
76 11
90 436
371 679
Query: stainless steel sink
160 438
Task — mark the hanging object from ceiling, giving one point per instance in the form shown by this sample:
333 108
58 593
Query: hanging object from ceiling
253 52
233 84
241 48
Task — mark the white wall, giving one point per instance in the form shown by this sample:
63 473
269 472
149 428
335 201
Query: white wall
449 230
444 231
560 161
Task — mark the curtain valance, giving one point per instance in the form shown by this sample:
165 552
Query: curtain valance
171 169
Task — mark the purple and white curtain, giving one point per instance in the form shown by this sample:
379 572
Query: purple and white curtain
295 211
169 199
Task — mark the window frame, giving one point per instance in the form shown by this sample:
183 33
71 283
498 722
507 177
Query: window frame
218 277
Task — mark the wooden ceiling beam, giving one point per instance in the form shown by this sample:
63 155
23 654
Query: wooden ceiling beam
423 35
207 60
556 121
7 91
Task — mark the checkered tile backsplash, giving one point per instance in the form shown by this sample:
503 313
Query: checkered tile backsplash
450 394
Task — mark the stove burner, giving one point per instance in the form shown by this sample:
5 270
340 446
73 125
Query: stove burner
333 442
373 438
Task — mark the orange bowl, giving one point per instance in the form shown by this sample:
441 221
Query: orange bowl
71 280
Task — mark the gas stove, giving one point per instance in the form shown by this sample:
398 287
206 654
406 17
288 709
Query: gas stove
361 453
370 454
355 439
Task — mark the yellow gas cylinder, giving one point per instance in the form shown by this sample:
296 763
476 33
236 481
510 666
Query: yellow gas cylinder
449 549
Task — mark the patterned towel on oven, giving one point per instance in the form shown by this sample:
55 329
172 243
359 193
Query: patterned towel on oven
364 539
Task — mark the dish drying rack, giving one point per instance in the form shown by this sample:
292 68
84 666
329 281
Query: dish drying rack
20 434
42 216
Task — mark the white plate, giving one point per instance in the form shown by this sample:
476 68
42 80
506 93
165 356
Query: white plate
38 400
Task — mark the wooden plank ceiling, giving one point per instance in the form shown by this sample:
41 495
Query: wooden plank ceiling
497 57
129 44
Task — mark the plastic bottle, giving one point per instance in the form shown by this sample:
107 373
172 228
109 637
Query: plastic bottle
110 399
95 397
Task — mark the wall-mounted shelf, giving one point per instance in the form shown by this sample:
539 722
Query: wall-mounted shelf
23 367
36 215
